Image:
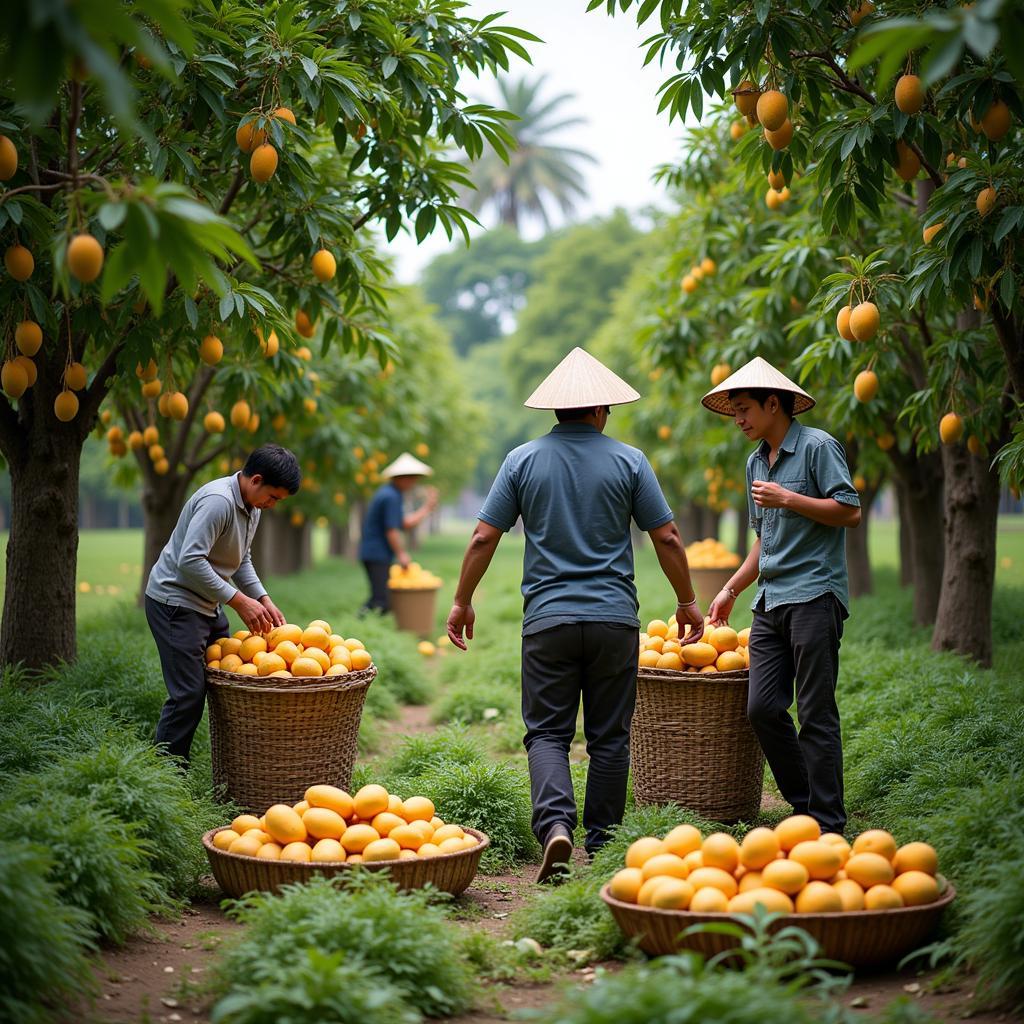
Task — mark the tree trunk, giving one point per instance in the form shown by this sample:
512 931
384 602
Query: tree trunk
712 523
858 559
336 540
690 523
279 548
922 479
162 500
42 550
905 542
964 620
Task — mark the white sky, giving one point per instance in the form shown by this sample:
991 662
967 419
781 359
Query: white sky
599 60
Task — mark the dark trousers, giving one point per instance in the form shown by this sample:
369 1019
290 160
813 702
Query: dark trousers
799 644
182 636
596 661
380 597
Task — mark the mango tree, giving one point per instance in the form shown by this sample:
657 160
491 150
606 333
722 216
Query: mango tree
170 163
862 144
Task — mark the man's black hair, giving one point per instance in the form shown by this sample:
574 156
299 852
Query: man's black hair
787 399
276 465
574 415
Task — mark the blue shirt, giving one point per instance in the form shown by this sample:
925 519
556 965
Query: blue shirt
801 559
384 513
576 491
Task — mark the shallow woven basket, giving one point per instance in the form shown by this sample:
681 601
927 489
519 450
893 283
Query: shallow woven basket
237 875
271 739
691 744
864 938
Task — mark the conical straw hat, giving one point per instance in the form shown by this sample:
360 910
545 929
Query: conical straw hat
407 465
580 381
758 373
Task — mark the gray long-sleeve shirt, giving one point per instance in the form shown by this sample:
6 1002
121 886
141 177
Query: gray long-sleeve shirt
207 558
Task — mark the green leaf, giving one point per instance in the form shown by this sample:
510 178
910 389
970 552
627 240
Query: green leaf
1012 216
111 215
1008 289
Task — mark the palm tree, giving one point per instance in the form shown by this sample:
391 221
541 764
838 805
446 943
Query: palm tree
537 172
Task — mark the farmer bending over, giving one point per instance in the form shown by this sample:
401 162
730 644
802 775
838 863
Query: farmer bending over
205 564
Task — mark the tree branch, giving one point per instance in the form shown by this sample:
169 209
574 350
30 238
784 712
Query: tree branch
223 447
363 218
31 188
92 397
846 84
1011 342
73 115
195 396
232 192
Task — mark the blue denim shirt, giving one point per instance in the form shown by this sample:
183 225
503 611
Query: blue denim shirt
801 559
576 490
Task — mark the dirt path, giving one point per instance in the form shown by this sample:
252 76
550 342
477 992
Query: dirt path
150 979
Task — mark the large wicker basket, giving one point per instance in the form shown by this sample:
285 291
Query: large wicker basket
237 875
865 938
691 744
270 738
415 610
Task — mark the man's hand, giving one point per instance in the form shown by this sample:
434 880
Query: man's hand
721 607
461 617
431 499
256 618
769 495
403 559
689 615
275 613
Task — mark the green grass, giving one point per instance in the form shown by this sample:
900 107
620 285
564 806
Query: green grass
314 947
933 747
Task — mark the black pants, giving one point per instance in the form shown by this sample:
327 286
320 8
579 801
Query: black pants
799 643
595 660
380 597
182 636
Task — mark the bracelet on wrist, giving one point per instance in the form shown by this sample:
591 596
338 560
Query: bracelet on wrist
732 593
686 604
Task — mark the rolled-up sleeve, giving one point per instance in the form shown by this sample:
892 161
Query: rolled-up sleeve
832 473
210 518
501 506
650 509
247 581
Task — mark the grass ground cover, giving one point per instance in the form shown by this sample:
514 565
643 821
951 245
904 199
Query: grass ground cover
933 752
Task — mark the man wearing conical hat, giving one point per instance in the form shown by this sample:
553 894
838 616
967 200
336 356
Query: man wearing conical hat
801 501
381 540
577 490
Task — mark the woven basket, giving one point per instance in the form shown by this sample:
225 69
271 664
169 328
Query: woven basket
415 610
707 583
271 739
691 744
237 875
864 938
